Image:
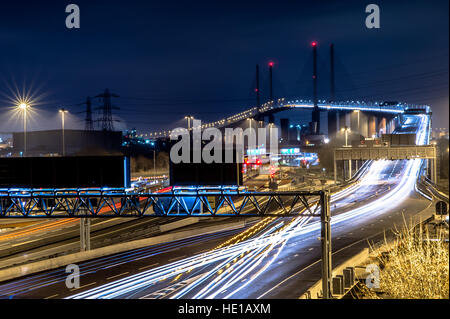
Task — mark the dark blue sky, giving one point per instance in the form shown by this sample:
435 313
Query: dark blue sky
167 59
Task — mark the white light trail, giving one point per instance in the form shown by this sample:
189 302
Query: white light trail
252 257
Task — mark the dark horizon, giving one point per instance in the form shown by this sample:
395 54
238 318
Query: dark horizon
169 60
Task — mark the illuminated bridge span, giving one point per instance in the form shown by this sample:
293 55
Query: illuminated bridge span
374 111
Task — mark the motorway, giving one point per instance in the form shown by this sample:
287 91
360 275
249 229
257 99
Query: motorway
26 246
39 238
275 258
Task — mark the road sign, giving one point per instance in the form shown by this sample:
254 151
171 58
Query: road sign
441 208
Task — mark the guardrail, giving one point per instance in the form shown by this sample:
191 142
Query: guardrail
433 189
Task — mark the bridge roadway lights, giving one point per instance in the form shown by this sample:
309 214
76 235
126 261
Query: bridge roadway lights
283 104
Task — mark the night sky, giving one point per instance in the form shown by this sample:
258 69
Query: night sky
168 59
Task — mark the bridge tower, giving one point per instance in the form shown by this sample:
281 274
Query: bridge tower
315 123
270 81
257 88
332 114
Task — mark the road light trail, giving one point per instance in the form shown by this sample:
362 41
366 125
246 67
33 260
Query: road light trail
88 267
253 252
392 197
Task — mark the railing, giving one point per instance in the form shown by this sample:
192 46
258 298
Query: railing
434 190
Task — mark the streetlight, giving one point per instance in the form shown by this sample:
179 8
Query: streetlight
24 106
346 130
63 112
154 161
189 117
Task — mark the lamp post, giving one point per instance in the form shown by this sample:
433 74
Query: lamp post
154 164
63 112
346 130
24 106
154 161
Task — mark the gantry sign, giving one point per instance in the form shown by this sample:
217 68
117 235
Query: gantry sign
180 202
427 152
198 202
388 153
